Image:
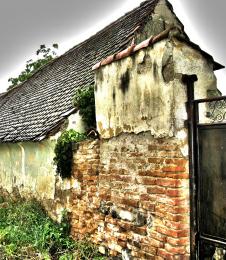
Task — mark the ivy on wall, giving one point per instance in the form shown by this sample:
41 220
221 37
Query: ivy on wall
84 101
63 151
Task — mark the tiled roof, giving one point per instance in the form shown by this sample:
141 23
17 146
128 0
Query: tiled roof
30 111
151 41
133 48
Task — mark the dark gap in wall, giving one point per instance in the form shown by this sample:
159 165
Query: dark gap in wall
125 79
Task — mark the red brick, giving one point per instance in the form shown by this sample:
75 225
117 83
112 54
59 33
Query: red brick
150 206
159 258
179 210
177 176
166 255
130 202
146 180
170 154
132 194
116 199
165 210
122 243
149 249
178 201
160 196
92 189
109 219
121 236
181 162
156 243
156 190
176 225
124 178
147 197
105 177
161 207
178 241
182 257
113 160
136 154
168 182
170 147
119 185
173 192
152 147
90 178
176 217
105 197
176 250
125 225
174 169
173 233
142 255
94 171
158 236
140 230
156 160
152 173
112 172
139 161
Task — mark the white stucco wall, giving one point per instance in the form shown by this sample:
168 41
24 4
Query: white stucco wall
29 167
144 92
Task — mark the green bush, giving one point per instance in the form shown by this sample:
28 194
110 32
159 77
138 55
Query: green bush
63 151
26 232
84 100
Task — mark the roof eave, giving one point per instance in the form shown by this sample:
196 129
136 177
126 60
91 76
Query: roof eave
216 65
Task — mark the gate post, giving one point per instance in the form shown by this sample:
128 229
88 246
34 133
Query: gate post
189 80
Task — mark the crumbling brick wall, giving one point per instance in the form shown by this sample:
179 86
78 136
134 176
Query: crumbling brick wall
132 196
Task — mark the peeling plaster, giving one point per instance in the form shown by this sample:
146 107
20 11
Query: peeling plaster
168 63
156 97
161 18
138 109
28 166
182 136
22 160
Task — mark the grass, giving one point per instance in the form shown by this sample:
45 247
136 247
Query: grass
26 232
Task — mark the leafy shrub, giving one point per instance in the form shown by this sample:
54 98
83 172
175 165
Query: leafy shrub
26 232
84 100
63 151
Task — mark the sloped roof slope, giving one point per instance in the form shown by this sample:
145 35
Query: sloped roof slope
30 111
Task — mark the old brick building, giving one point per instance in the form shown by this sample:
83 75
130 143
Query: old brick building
130 191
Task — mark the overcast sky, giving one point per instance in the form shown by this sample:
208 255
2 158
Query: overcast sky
25 24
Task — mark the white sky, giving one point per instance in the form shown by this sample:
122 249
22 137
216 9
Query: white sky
191 27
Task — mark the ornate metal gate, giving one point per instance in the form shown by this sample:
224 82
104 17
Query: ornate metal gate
210 177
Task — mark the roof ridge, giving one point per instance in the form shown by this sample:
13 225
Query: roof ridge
29 111
142 4
134 48
42 100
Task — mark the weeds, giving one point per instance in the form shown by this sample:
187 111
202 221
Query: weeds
26 232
